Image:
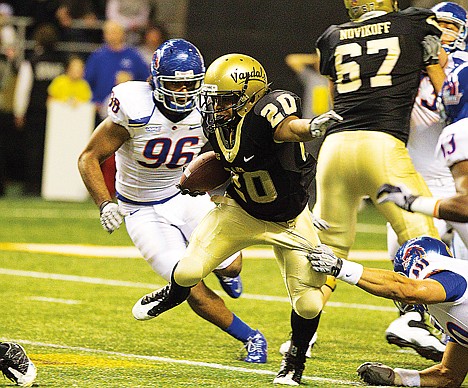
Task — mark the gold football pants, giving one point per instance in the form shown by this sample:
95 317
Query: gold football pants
228 229
354 164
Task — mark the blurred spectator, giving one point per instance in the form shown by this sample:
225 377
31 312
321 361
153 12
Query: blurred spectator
154 36
7 81
7 31
78 21
71 87
29 101
41 11
103 64
133 15
120 77
101 70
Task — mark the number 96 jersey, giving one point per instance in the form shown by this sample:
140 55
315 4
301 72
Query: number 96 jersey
375 64
270 180
149 164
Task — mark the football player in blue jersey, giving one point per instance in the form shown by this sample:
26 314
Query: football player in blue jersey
155 129
258 135
452 149
410 329
427 275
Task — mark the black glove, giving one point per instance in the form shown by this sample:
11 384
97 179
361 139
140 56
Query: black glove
191 193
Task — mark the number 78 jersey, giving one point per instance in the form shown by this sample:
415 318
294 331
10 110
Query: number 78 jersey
375 65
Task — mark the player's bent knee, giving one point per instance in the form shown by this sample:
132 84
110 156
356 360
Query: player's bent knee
309 305
188 273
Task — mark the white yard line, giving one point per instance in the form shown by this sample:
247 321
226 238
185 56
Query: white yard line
55 300
171 360
121 283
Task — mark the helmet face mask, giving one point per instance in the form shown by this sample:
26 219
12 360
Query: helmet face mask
177 72
357 8
455 14
233 84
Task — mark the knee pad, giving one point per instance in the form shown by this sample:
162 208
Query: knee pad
188 272
309 304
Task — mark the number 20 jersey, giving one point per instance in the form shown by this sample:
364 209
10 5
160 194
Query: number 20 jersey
376 64
149 164
271 179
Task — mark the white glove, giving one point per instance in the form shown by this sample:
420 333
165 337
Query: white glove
319 223
324 260
400 195
319 125
111 217
431 46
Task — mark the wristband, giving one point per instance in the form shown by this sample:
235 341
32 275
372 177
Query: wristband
426 205
350 272
103 205
409 378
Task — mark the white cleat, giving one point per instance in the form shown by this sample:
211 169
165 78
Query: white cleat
411 331
285 346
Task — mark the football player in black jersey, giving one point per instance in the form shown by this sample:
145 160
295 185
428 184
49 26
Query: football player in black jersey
374 63
258 135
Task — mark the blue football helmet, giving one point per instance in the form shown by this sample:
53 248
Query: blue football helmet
177 72
452 13
411 255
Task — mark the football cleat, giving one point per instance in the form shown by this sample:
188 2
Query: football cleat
375 373
410 330
155 303
257 349
232 286
285 346
291 370
16 365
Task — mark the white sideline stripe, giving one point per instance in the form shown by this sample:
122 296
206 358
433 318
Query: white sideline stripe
129 252
121 283
171 360
55 300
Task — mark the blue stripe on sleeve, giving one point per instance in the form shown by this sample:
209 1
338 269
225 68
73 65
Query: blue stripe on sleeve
455 285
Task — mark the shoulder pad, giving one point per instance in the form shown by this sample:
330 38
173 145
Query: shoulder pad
416 11
273 98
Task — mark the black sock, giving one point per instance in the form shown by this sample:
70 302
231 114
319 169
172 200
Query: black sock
303 330
178 292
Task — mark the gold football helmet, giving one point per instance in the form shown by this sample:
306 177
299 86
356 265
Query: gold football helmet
357 8
232 82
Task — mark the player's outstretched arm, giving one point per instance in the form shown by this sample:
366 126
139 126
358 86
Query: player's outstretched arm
379 282
295 129
452 209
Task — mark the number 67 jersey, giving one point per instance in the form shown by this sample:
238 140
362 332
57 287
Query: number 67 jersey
375 63
150 163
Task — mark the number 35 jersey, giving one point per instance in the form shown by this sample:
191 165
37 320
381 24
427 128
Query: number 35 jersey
270 180
376 64
149 164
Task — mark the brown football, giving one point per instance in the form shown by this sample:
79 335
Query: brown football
204 173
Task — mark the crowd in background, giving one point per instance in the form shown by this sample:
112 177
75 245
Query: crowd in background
103 43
